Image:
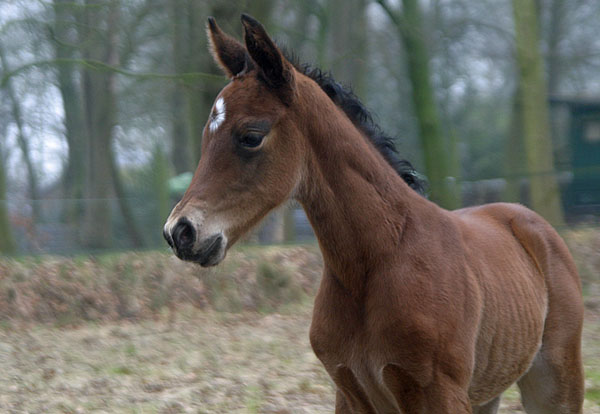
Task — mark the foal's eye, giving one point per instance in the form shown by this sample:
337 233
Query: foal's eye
251 140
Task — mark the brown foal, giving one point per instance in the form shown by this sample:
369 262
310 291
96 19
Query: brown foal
420 310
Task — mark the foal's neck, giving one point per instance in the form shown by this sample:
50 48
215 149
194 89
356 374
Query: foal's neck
357 204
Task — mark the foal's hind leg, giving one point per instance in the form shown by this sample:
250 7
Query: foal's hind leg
554 384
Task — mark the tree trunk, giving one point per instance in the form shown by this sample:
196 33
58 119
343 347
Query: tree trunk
99 103
195 93
435 149
446 81
321 40
160 180
556 65
136 236
513 154
348 43
181 150
545 196
199 96
297 35
555 33
23 142
75 130
260 10
7 243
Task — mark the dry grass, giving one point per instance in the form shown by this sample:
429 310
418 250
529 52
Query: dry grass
584 244
205 362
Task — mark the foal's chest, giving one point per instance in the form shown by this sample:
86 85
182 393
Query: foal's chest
350 353
354 360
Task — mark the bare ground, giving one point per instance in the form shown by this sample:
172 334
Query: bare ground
204 362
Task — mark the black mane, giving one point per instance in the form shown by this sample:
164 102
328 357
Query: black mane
360 116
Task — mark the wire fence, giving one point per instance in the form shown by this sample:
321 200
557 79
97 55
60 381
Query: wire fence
64 226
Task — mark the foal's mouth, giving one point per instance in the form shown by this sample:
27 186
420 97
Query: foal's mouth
211 252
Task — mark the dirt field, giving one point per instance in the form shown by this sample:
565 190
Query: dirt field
204 362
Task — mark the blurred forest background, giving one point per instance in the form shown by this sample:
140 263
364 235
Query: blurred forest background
104 102
102 107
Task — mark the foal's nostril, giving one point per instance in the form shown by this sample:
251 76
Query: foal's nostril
183 235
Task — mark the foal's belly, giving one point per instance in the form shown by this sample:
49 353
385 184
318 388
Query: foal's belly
509 338
499 364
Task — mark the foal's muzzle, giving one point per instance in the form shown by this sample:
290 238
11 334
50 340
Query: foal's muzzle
187 245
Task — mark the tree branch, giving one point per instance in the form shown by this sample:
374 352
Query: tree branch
103 67
395 16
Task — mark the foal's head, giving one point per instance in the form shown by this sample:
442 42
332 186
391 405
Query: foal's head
252 156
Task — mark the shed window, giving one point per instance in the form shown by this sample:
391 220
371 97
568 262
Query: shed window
592 131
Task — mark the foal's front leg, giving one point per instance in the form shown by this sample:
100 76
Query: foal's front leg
350 397
442 395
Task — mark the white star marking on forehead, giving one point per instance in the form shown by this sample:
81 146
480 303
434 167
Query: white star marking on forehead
218 115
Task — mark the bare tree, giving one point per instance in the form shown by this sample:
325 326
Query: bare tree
181 152
348 43
7 243
63 34
545 196
409 25
99 103
22 139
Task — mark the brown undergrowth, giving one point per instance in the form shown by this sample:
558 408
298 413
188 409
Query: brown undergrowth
137 286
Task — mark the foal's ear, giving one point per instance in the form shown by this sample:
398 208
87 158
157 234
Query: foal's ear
227 52
275 69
